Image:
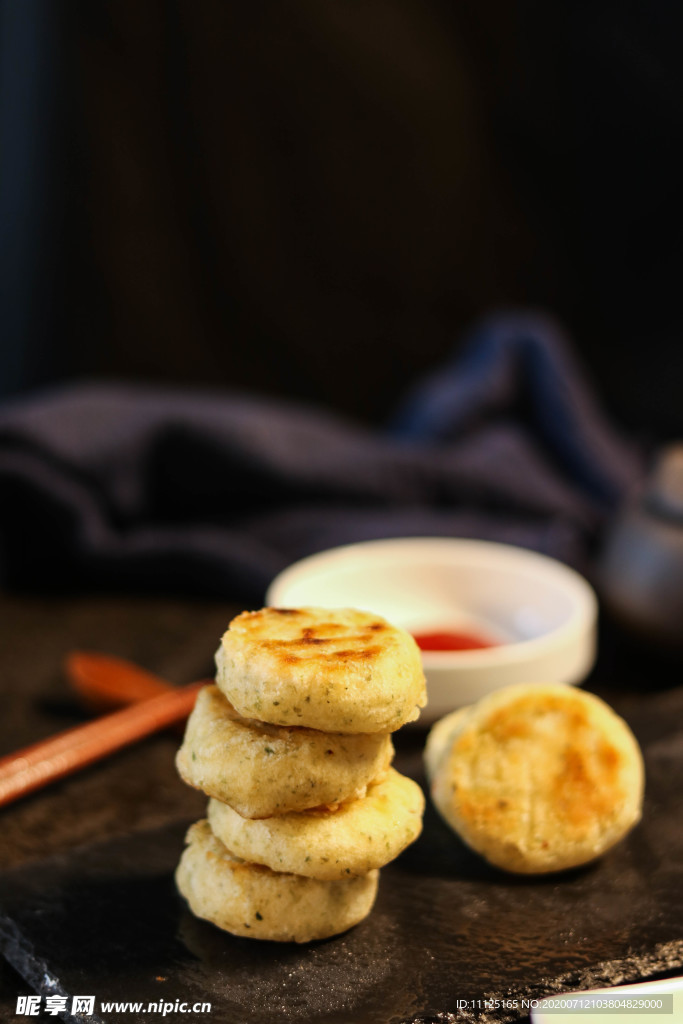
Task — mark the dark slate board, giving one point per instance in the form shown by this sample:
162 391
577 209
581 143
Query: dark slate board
106 920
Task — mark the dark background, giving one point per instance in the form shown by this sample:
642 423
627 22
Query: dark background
316 199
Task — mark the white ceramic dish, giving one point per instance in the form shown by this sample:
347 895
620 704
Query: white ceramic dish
542 613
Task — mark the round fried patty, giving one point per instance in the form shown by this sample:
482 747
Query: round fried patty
339 670
263 770
539 778
329 843
255 902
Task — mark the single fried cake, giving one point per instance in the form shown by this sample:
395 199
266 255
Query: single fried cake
329 842
540 778
264 770
252 901
342 670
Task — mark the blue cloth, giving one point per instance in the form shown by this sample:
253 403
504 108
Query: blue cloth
158 490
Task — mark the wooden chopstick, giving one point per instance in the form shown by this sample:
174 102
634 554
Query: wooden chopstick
105 683
41 763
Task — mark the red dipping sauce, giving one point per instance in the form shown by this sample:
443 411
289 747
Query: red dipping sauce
450 640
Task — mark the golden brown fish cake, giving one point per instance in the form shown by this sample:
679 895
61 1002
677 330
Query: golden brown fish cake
540 778
263 770
329 843
252 901
339 670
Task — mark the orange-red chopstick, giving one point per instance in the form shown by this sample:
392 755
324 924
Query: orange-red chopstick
104 682
41 763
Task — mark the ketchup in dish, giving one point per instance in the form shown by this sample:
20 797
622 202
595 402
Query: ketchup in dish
452 640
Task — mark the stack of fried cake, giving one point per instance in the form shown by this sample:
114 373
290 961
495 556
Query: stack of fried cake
293 746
